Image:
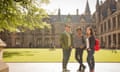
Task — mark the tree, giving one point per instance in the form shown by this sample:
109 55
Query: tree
22 14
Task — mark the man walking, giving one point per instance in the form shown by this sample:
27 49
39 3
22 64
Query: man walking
66 42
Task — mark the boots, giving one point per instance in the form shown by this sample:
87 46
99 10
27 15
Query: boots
92 70
66 70
81 68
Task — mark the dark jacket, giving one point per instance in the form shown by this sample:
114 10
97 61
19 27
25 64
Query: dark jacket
92 42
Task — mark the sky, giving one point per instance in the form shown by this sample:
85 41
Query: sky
69 6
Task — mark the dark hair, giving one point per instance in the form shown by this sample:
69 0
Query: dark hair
78 29
91 31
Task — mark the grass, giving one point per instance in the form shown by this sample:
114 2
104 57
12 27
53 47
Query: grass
47 55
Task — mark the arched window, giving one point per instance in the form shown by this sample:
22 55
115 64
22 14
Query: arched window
39 42
47 42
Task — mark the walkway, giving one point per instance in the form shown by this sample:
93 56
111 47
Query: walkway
56 67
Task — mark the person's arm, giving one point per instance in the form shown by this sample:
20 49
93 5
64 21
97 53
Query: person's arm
62 40
74 41
84 41
87 43
92 42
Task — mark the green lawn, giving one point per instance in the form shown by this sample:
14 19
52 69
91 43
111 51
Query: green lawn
47 55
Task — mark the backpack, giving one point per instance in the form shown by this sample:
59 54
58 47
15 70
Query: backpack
97 45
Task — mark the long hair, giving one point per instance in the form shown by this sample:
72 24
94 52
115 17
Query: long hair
91 31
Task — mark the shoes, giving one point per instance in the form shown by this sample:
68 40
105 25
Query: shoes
92 70
78 71
66 70
81 68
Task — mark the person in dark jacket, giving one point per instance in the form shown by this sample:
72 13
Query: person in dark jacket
79 44
90 43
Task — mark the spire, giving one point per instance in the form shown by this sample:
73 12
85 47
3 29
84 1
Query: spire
77 11
97 5
59 12
87 9
97 2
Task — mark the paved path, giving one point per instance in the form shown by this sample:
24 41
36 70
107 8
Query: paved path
56 67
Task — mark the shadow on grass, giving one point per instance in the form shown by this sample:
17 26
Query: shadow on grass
11 54
8 54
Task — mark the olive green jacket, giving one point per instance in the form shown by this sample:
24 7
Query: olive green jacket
64 40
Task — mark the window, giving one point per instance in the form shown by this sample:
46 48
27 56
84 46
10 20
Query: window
105 27
53 29
17 42
109 25
47 42
39 42
114 22
47 31
119 21
109 40
101 28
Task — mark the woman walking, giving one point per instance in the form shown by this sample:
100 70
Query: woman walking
79 44
90 43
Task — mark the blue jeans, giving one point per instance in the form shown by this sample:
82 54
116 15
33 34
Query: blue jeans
90 59
79 55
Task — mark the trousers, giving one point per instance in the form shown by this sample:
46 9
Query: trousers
79 55
90 59
66 56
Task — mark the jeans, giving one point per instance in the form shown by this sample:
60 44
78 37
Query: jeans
79 55
66 56
90 59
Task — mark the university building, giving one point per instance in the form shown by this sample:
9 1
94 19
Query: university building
45 38
105 21
108 22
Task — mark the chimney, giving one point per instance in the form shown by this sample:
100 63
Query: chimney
77 11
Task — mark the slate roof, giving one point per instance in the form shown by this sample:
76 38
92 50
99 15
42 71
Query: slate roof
73 18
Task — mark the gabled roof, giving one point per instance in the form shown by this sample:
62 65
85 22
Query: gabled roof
72 18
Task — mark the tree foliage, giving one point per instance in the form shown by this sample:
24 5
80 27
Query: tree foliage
22 14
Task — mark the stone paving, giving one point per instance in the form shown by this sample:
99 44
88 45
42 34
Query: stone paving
56 67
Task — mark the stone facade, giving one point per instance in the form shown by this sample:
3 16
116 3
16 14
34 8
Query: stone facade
108 22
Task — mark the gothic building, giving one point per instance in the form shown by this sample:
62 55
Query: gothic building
42 38
107 17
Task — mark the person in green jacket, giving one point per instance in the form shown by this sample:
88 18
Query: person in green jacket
66 41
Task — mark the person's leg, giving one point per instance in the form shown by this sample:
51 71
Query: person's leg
90 60
77 55
66 55
82 66
81 56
